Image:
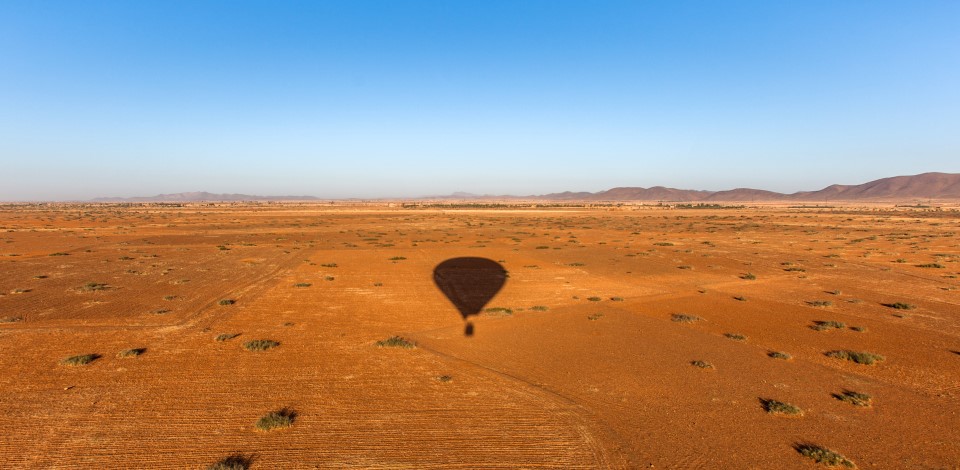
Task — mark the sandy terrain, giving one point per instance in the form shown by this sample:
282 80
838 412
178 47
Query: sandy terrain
598 375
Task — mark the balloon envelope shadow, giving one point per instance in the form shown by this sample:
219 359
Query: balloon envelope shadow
469 283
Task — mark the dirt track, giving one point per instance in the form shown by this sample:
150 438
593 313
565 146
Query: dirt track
604 383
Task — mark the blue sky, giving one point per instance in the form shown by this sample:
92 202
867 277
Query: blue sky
407 98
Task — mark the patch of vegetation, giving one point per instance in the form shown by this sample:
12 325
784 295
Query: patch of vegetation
860 357
735 336
663 244
576 265
859 329
684 266
616 299
500 310
594 299
779 355
160 311
595 316
445 378
233 462
329 265
59 253
854 398
684 318
94 286
11 319
780 408
276 420
226 302
226 336
260 344
740 298
828 325
819 303
171 297
900 306
131 352
795 269
328 278
539 308
931 265
834 292
701 364
397 258
80 360
823 455
396 342
302 284
748 276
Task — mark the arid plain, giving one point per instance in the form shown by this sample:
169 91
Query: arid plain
625 336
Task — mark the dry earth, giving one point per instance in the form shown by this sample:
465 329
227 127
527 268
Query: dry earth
602 377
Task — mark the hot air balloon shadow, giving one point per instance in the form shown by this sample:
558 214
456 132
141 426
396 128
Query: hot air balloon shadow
469 283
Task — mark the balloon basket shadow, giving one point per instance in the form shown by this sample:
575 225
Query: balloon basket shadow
468 330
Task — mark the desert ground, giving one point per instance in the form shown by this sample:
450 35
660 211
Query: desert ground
625 336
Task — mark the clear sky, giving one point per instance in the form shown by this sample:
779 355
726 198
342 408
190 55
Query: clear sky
362 98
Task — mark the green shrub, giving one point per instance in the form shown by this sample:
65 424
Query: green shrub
302 284
828 325
226 302
701 364
778 355
226 336
735 336
748 276
539 308
819 303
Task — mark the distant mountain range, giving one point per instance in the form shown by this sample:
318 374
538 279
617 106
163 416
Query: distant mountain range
898 188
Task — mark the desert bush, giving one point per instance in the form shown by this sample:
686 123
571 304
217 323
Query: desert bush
396 342
663 244
779 407
594 299
397 258
93 286
827 325
11 319
748 276
819 303
823 455
854 398
595 316
684 318
735 336
740 298
859 329
226 302
80 360
276 420
539 308
701 364
232 462
260 344
616 299
931 265
900 306
131 352
860 357
226 336
778 355
302 284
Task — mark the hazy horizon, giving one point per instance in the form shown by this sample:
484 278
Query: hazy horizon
371 99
